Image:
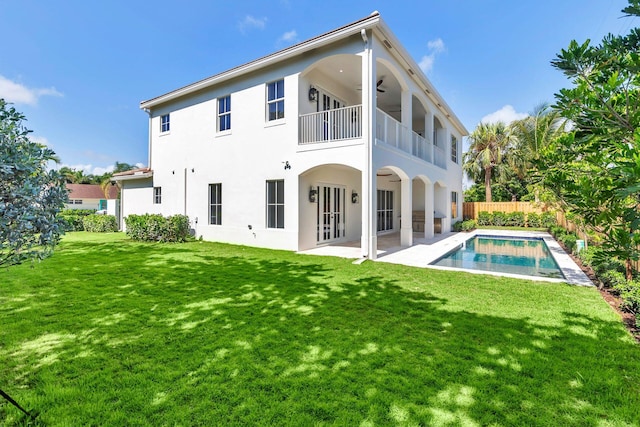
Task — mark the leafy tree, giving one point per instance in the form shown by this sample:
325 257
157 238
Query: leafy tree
595 169
31 196
489 142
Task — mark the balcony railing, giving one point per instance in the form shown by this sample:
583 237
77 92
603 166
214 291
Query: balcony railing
392 132
332 125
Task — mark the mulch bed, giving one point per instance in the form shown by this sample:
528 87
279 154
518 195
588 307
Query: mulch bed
614 301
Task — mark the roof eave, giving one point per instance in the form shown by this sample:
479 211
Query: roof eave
313 43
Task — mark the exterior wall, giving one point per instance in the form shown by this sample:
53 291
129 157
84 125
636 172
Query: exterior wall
86 204
193 155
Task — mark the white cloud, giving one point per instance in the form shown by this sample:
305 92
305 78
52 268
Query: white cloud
289 37
506 114
426 63
249 22
40 140
89 169
20 94
435 47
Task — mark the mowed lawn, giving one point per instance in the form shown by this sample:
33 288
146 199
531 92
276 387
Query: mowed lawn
112 332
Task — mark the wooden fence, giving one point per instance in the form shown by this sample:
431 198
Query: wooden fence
470 210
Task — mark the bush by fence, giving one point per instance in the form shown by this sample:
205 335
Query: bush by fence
100 223
156 228
73 218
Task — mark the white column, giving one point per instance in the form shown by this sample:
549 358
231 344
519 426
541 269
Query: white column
406 208
428 210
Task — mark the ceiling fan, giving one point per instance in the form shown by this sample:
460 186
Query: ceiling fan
378 84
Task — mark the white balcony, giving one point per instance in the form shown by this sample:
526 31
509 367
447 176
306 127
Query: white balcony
393 133
332 125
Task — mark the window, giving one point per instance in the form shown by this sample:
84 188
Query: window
224 113
385 210
454 205
77 202
454 149
157 195
275 204
164 123
215 204
275 100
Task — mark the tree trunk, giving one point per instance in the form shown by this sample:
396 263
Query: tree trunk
628 269
487 184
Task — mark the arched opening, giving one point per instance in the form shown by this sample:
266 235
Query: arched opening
441 218
330 103
393 201
439 143
329 211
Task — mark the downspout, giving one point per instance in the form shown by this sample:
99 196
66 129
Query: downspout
367 251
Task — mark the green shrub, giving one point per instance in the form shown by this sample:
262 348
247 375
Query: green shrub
569 241
73 218
457 226
498 219
515 219
588 256
533 220
156 228
484 218
557 231
100 223
629 292
548 219
468 225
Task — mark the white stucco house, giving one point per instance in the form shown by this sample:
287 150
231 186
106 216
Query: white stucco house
338 138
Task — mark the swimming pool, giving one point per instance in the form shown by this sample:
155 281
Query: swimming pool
513 255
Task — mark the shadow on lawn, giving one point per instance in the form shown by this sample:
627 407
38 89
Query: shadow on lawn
297 340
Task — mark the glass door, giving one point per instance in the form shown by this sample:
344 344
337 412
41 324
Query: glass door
330 215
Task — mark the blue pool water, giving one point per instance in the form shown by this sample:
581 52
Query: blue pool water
526 256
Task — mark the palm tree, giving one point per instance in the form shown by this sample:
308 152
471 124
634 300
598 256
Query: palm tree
531 135
489 142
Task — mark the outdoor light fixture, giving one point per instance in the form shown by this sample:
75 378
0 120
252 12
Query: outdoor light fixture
287 166
354 197
313 94
313 195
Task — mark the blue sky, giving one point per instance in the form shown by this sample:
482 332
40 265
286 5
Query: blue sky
79 69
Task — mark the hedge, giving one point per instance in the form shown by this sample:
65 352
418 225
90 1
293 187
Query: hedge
100 223
156 228
73 218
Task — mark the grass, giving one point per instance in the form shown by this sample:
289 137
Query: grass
112 332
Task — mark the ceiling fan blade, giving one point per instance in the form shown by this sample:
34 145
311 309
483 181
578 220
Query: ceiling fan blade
379 83
381 90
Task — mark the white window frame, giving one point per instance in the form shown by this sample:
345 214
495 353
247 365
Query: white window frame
165 123
276 100
384 210
276 205
215 203
224 101
454 149
454 204
157 195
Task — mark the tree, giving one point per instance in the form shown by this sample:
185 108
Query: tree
31 196
595 169
531 136
489 142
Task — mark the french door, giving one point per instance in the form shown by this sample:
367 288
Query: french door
331 213
327 103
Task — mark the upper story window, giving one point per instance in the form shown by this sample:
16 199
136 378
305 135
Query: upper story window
157 195
224 113
164 123
454 149
275 100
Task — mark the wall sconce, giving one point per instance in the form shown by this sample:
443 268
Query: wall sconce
313 195
354 197
313 94
287 166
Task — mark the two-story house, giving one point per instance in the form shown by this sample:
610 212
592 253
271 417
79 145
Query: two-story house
338 138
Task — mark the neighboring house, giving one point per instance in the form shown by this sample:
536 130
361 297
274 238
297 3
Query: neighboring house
90 196
338 138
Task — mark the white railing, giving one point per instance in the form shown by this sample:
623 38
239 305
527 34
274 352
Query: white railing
392 132
439 157
421 147
331 125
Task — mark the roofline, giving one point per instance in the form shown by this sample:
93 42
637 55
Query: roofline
132 175
291 51
373 22
430 91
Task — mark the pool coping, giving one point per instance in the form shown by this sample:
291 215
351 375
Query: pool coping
422 255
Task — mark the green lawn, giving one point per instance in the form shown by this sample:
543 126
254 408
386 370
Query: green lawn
112 332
